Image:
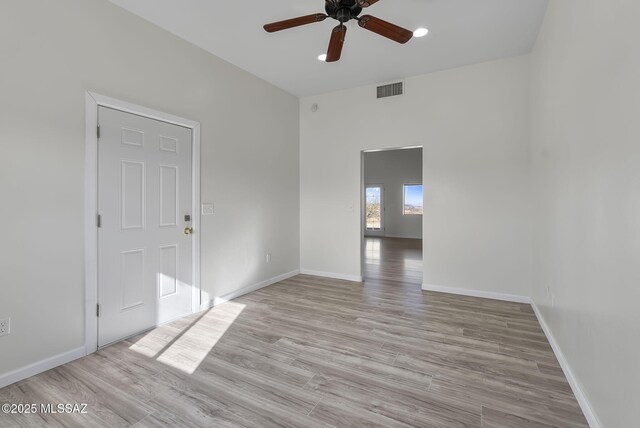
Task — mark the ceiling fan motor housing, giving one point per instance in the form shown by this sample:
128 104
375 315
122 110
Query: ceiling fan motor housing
343 10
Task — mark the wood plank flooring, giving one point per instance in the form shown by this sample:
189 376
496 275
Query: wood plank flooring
317 352
397 259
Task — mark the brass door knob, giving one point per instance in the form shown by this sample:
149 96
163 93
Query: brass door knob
188 230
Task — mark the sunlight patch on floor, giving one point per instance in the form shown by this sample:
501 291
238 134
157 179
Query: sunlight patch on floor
412 264
372 251
185 343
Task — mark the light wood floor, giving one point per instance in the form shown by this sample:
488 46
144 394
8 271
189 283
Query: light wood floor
312 352
394 260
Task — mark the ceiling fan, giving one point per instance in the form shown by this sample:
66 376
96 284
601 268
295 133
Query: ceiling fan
344 11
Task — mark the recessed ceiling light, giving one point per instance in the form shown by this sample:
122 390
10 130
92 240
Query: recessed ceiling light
322 57
420 32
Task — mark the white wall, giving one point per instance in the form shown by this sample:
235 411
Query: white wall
51 53
473 123
392 169
586 170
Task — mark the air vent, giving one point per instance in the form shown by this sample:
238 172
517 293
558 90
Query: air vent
390 90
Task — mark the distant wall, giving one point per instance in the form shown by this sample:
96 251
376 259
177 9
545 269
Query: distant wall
392 169
473 125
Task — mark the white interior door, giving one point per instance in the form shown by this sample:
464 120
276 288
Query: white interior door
145 269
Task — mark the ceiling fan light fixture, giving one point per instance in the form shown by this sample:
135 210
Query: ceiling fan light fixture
344 11
421 32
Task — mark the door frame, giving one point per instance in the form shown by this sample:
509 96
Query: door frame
363 198
92 102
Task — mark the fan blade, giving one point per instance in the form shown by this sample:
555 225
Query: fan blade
295 22
366 3
385 29
336 43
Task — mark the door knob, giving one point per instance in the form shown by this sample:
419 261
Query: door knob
188 230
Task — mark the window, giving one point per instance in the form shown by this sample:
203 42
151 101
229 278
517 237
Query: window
374 208
412 199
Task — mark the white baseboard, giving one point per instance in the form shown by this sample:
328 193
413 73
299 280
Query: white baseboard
477 293
246 290
353 278
40 366
592 419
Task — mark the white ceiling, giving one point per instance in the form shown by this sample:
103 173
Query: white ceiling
461 32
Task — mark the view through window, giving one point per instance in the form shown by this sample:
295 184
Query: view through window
412 199
374 208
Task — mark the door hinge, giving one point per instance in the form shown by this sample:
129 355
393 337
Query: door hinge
98 132
99 220
98 309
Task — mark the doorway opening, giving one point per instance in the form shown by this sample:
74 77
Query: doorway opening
392 209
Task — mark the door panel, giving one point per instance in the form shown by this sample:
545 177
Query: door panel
169 195
131 279
133 195
145 273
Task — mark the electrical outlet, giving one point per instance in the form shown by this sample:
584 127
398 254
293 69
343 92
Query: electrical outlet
268 257
5 326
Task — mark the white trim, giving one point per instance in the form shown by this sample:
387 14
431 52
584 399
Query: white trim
397 236
196 295
353 278
126 107
387 149
40 366
246 290
92 102
588 411
477 293
363 201
90 229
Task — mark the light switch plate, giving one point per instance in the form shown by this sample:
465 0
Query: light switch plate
5 326
207 209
